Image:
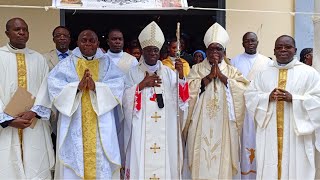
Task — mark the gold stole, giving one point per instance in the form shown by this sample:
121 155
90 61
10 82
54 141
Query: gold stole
282 81
22 82
89 120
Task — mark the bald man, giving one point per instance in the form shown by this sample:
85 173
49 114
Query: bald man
86 90
25 153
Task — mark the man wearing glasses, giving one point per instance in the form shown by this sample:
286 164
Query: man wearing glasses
216 111
284 100
61 37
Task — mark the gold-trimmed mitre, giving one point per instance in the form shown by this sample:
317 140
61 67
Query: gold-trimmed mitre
151 35
216 34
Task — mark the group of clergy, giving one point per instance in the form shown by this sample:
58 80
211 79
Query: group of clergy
117 118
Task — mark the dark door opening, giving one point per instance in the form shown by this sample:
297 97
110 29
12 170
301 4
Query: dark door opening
194 23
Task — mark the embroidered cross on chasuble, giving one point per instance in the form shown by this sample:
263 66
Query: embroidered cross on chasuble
155 139
89 119
156 117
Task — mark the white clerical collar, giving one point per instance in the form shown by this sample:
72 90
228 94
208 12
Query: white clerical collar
88 57
286 66
115 55
78 54
153 68
16 50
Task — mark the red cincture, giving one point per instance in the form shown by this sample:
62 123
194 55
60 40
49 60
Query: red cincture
137 99
184 92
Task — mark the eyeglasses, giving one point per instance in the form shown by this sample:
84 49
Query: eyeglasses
60 35
151 50
286 47
218 49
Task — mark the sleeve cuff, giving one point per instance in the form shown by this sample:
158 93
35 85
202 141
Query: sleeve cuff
41 112
5 124
5 117
182 81
202 87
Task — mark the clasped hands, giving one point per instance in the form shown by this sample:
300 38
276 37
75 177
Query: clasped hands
216 73
87 83
23 120
280 95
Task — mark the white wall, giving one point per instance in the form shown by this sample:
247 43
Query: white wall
40 22
268 26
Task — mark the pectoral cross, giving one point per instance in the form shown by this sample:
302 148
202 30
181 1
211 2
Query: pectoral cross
155 148
155 117
154 177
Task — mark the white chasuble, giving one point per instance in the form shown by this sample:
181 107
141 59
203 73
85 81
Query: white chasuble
63 81
210 131
152 141
155 143
285 149
214 122
34 158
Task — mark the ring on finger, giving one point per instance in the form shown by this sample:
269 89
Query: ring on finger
156 81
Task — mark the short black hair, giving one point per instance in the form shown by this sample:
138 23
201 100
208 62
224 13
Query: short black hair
63 27
88 30
172 40
114 30
294 41
247 33
303 54
8 24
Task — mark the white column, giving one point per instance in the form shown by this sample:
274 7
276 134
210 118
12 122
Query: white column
316 65
316 39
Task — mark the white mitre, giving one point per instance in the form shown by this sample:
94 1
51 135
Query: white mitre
216 34
151 35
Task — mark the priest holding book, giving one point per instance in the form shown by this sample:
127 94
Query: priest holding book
26 150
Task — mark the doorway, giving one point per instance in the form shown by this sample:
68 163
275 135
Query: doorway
194 23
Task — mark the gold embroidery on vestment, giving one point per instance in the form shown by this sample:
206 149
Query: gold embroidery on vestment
282 81
22 82
156 117
89 120
210 149
155 148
